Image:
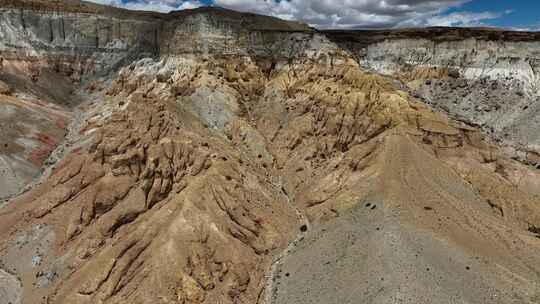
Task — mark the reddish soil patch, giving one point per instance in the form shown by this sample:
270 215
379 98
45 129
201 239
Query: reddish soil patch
77 151
61 123
39 155
46 139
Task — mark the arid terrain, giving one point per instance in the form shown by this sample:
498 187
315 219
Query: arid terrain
209 156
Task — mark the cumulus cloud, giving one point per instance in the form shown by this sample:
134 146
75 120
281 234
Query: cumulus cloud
348 13
152 5
526 28
462 19
338 13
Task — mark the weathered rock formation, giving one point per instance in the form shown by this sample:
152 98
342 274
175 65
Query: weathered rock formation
48 48
490 78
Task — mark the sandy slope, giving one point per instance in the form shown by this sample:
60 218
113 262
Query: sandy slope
423 236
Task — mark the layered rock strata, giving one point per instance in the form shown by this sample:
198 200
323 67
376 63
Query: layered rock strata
490 78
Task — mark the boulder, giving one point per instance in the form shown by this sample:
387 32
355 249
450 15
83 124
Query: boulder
4 88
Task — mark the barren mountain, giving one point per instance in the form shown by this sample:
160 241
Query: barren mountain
210 156
490 77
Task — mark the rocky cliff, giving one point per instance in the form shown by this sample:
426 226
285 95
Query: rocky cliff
222 157
86 39
49 49
75 43
475 53
491 77
46 50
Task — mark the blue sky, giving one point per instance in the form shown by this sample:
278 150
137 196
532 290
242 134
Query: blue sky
519 13
514 14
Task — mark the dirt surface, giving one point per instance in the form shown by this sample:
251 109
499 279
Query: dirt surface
251 171
407 246
35 115
10 288
30 132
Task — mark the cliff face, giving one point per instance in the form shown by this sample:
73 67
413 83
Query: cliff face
90 41
225 33
474 53
48 49
75 43
45 53
494 75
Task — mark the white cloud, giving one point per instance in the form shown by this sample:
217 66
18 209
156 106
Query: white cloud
337 13
526 28
189 5
355 13
462 19
153 5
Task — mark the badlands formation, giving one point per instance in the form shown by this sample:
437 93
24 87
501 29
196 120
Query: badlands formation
210 156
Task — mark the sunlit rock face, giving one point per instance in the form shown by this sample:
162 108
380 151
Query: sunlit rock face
488 78
210 156
75 43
